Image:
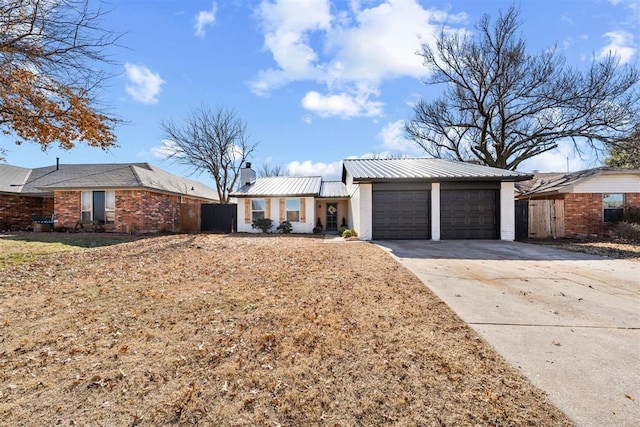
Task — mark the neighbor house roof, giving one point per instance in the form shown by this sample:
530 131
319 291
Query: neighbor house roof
423 168
554 182
43 181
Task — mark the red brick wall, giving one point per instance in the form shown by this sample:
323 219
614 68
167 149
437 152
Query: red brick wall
17 211
67 208
583 212
632 200
145 211
137 211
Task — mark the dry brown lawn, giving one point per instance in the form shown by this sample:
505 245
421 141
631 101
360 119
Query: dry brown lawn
234 331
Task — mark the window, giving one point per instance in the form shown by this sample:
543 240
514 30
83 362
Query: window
87 205
612 207
293 210
98 206
257 209
110 207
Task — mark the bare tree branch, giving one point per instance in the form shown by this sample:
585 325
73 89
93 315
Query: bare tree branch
52 68
267 170
212 140
502 106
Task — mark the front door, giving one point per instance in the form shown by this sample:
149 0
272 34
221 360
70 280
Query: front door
332 217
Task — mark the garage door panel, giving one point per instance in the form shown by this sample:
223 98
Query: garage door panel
468 214
401 214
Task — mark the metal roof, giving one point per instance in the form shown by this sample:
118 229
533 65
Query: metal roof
281 186
423 168
333 190
545 183
42 181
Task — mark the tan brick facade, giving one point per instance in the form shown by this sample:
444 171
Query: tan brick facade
583 212
139 211
17 212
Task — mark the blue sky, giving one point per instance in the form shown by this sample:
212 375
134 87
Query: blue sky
316 81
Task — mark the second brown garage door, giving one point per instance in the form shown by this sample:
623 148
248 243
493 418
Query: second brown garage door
469 214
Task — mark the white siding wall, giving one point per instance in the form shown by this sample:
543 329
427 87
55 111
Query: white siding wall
627 183
435 211
507 211
241 226
365 229
354 208
360 208
298 227
353 203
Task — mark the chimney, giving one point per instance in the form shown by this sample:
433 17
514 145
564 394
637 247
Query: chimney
247 175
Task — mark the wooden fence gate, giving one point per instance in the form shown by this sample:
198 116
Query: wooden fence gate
546 218
189 218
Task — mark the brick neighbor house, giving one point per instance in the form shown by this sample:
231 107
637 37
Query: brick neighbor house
579 203
127 197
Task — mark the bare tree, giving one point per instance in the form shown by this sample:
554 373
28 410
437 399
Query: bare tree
52 67
502 106
212 140
266 170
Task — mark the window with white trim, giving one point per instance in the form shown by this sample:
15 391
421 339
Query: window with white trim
257 209
292 207
98 206
110 207
87 206
612 207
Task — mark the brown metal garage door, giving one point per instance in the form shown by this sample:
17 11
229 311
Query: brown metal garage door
401 215
469 214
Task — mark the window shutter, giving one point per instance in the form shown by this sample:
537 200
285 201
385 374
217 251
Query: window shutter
247 211
303 210
267 208
282 210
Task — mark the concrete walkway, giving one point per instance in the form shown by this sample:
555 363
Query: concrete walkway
569 322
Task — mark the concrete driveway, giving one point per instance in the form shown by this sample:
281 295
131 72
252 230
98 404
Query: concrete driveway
569 321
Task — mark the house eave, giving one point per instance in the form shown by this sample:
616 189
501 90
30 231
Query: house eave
262 196
127 188
369 180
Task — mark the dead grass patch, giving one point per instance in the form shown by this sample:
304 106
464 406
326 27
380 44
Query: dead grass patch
216 330
606 247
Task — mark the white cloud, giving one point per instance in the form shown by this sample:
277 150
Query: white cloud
288 25
351 52
562 159
166 150
144 85
331 171
205 18
621 44
393 139
342 105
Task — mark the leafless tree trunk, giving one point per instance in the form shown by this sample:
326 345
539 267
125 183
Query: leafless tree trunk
502 106
52 66
212 140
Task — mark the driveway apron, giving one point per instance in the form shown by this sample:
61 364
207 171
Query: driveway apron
570 322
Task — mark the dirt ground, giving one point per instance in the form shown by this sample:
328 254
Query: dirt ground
610 248
230 331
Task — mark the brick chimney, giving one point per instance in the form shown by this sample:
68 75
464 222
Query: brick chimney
247 175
